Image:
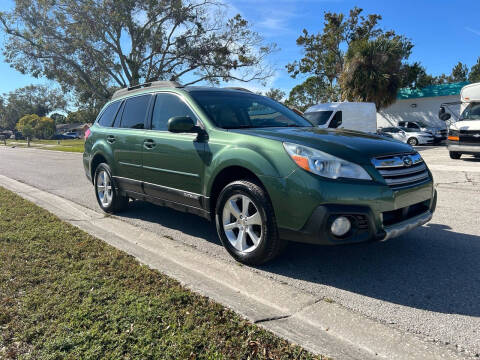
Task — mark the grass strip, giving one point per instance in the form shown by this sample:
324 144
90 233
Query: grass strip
67 295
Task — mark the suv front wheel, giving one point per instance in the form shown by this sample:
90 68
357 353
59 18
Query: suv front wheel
246 223
108 197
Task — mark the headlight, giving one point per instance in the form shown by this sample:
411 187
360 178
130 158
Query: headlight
323 164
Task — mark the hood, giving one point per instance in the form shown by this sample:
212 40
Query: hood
350 145
466 125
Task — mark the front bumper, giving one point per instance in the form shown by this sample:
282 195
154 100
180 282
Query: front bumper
464 148
365 226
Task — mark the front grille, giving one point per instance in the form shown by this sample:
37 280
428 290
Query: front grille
470 136
403 170
443 132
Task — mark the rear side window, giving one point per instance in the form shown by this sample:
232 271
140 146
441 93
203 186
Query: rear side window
166 107
134 112
319 117
106 119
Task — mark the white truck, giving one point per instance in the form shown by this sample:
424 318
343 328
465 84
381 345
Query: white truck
344 115
464 134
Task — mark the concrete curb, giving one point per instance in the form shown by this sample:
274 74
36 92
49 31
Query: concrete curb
319 326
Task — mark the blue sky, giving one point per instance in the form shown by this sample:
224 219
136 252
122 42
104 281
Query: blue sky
443 31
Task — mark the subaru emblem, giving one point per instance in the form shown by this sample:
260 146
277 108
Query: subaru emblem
407 161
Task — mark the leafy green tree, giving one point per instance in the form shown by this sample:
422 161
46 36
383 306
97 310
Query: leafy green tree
373 70
82 116
276 94
45 128
459 72
28 132
41 127
474 75
58 118
415 76
32 99
310 92
92 47
324 52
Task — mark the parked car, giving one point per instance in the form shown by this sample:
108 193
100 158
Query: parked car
358 116
62 137
394 132
72 135
464 134
438 133
264 174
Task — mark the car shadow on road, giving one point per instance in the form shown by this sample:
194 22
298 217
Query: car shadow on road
431 268
189 224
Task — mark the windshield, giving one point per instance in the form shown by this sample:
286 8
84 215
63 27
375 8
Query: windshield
235 110
319 117
472 112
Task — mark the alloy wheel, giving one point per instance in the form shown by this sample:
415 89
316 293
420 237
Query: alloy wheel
104 188
242 223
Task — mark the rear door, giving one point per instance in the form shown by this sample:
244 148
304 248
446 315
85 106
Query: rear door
126 139
173 163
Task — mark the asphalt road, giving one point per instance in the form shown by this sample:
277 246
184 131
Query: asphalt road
426 282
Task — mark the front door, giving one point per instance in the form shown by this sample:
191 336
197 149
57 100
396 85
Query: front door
172 163
127 142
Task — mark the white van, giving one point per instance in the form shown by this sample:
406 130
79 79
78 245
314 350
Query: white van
360 116
464 134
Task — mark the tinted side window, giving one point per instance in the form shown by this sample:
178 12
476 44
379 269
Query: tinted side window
318 117
166 107
336 121
107 116
134 112
118 118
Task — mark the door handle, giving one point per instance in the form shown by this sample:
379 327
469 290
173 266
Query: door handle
149 144
110 139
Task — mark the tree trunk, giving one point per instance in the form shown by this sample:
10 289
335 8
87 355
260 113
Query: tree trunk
28 141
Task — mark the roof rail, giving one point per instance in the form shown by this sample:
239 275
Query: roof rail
238 88
153 84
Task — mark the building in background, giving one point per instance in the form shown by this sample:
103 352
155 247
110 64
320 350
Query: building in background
421 105
77 128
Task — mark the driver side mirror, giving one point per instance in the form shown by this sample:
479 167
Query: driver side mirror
182 124
443 115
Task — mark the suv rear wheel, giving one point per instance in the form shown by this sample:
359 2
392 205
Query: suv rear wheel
455 155
108 197
246 223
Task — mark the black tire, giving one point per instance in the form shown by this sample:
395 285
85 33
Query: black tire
270 245
118 202
455 155
412 141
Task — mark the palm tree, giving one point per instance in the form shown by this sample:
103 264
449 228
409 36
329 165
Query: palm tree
372 70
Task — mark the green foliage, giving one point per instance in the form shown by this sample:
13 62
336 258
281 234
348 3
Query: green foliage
58 118
34 125
32 99
325 57
459 72
67 295
415 76
275 94
102 44
373 70
310 92
474 75
82 116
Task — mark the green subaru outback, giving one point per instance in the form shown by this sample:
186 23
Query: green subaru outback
262 172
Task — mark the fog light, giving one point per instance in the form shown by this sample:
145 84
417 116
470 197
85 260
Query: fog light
341 226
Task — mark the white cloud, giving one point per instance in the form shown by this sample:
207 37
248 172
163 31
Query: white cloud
476 32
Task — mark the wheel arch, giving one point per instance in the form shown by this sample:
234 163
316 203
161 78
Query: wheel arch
227 175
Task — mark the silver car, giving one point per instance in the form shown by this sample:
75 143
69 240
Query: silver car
409 136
